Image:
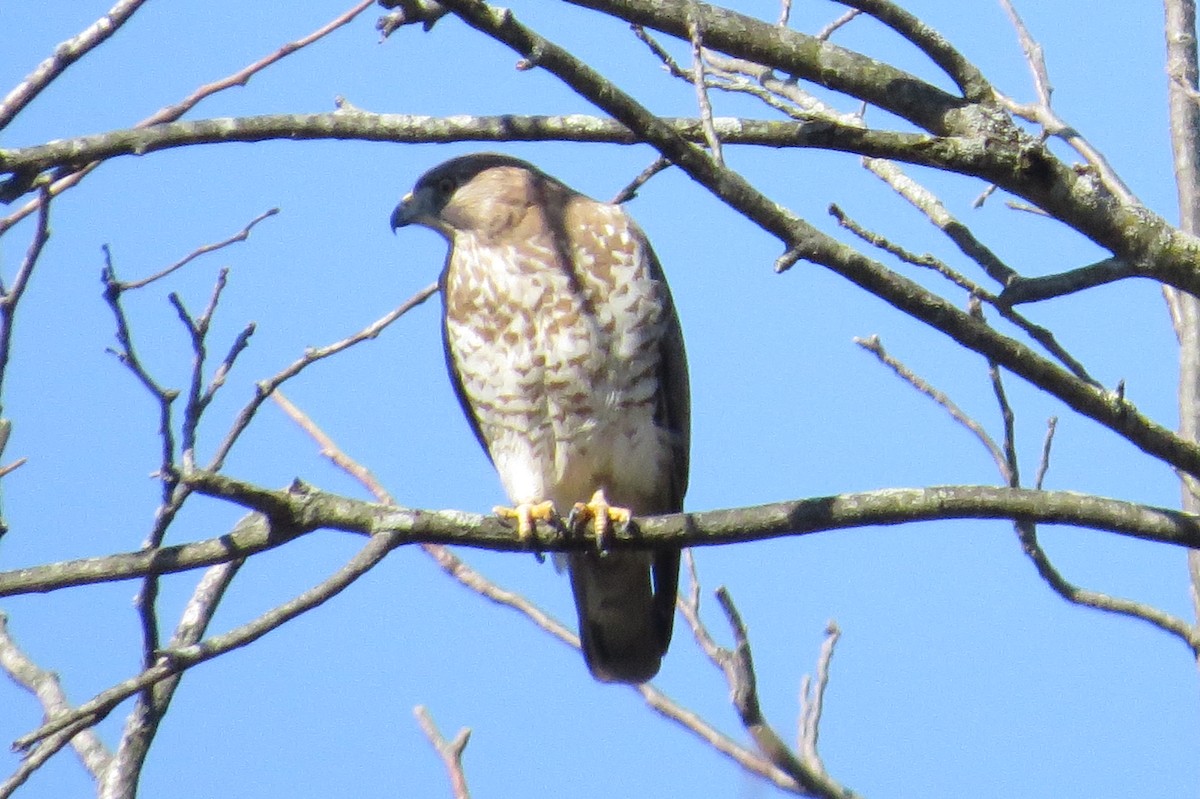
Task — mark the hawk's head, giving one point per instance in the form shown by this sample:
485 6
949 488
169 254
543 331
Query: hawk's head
485 194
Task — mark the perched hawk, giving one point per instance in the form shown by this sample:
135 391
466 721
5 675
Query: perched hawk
566 354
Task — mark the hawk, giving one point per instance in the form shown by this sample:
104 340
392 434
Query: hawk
567 356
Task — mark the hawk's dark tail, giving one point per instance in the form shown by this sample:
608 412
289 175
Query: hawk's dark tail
626 605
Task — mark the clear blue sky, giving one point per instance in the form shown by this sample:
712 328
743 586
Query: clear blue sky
959 672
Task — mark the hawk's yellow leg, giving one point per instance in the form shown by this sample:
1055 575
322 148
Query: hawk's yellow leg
602 514
527 515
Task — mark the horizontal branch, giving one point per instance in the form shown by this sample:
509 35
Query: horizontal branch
1035 289
27 162
302 509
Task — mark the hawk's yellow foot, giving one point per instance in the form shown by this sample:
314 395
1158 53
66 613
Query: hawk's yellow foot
527 515
602 515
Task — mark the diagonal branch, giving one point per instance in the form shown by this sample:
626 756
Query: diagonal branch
965 75
65 54
46 687
64 181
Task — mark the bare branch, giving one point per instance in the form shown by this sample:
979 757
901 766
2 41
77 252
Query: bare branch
924 200
143 722
46 687
10 297
311 356
1044 462
825 33
1043 114
925 260
812 702
451 752
65 54
302 509
874 346
242 235
738 665
631 189
696 36
965 75
25 163
62 182
45 750
1036 289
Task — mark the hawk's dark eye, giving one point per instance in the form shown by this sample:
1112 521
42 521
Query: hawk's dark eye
445 186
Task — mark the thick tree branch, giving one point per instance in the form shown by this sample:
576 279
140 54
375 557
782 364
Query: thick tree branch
998 151
1035 289
301 510
26 163
798 54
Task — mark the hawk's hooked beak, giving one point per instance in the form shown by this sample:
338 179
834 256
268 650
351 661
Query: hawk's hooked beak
414 208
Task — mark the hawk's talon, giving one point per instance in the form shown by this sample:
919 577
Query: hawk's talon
527 514
602 515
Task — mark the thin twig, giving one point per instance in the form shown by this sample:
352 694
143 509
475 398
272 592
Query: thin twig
65 54
812 701
45 750
1043 113
331 450
925 260
1044 461
825 33
696 35
630 191
936 212
46 687
70 178
874 346
241 235
927 203
311 356
451 752
10 296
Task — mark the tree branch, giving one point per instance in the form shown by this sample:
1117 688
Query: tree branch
451 752
48 690
26 163
65 54
301 509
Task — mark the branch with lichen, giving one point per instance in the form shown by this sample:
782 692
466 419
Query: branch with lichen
283 514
